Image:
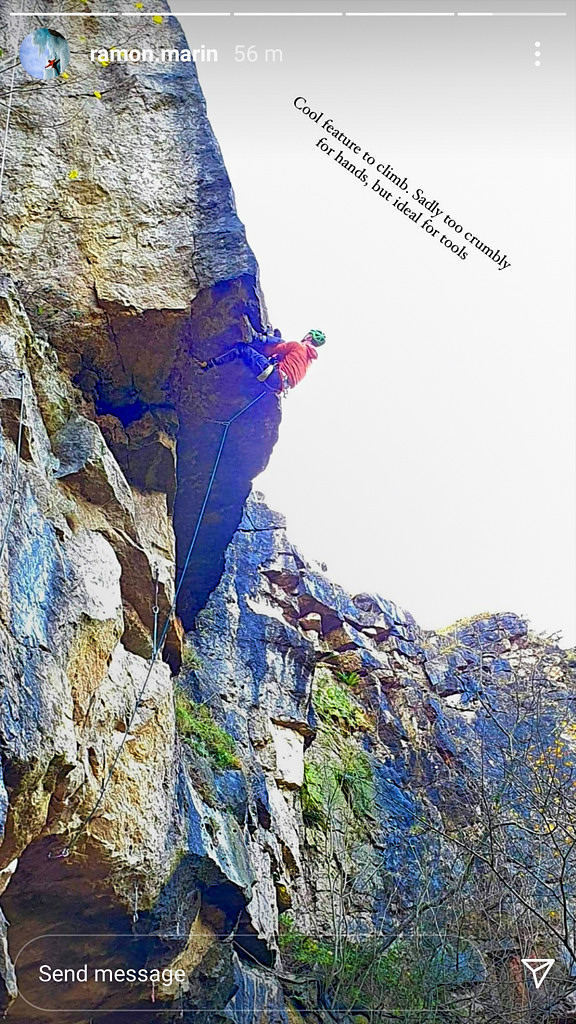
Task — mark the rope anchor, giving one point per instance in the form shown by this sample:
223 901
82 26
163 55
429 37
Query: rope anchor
60 856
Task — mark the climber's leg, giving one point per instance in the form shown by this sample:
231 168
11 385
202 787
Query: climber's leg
254 360
226 357
274 381
264 369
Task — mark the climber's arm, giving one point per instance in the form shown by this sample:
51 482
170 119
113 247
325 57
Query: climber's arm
282 348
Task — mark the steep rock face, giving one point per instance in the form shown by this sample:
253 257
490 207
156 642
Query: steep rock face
120 231
208 851
123 263
315 685
189 826
69 685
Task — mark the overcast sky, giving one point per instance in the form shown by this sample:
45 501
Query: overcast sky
429 454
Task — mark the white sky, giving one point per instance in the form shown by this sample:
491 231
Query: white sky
429 454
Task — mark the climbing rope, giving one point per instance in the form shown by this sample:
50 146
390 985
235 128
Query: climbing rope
158 645
155 613
16 474
21 372
11 94
135 907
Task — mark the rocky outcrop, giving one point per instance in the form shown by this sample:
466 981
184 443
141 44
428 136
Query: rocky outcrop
296 673
130 261
314 684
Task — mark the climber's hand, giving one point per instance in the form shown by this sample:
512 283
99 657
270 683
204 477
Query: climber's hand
248 325
203 365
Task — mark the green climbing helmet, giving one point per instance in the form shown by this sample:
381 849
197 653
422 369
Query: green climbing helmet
318 337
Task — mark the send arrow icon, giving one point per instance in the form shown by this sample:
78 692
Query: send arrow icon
539 969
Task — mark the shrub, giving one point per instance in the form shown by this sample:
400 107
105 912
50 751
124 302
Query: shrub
348 678
197 727
362 975
316 794
356 781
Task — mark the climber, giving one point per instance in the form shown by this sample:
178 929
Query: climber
54 64
281 365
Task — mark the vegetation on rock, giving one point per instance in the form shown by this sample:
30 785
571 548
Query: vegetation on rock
475 883
349 678
337 779
190 660
464 623
334 705
197 727
367 976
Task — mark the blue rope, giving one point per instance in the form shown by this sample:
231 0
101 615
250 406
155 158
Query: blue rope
156 647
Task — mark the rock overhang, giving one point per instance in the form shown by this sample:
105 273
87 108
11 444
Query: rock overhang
131 261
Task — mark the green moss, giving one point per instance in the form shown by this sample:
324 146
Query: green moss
356 780
465 623
197 727
190 660
342 779
302 949
335 706
316 794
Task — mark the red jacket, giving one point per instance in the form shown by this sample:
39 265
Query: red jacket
294 358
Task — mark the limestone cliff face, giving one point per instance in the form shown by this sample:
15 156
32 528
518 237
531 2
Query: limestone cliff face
365 745
280 651
123 261
120 232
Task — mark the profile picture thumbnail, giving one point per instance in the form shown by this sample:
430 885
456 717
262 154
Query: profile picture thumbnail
44 53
